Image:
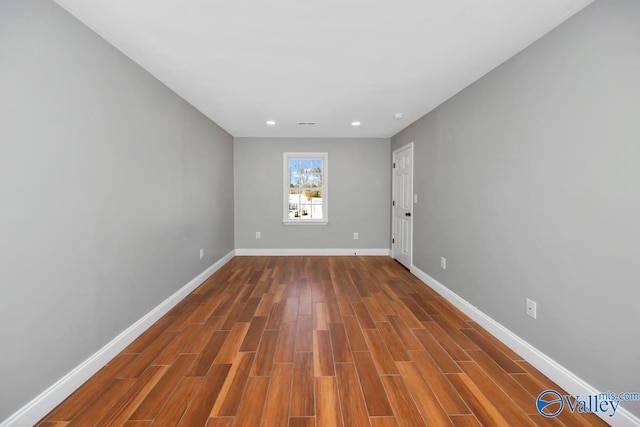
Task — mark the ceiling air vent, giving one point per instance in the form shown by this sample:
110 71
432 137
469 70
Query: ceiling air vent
306 123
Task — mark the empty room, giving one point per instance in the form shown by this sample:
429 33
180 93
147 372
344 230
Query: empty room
320 214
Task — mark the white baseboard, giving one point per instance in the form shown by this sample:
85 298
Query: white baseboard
313 252
552 369
41 405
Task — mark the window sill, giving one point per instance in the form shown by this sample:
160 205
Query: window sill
305 222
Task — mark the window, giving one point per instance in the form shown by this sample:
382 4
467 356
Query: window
305 188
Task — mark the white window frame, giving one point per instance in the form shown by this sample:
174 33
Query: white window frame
287 156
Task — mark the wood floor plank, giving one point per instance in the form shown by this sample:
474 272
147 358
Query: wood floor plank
365 320
200 407
322 354
393 342
145 340
209 353
220 422
129 401
435 350
455 333
328 413
506 350
276 413
354 411
254 334
252 407
263 363
232 344
381 356
506 381
406 335
144 359
103 403
383 422
264 308
467 421
447 395
174 409
275 316
302 422
356 339
303 400
407 415
508 408
417 311
177 345
203 335
305 305
320 316
304 334
482 408
286 343
290 310
372 389
339 343
406 315
333 311
454 315
449 344
231 392
493 351
384 303
248 310
153 402
374 310
426 401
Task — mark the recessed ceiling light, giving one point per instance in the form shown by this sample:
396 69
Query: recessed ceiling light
355 123
398 116
271 122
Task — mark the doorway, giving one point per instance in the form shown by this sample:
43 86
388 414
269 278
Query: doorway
402 205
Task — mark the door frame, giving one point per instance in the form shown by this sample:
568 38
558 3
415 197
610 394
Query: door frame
393 187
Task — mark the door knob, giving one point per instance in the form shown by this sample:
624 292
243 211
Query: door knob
407 214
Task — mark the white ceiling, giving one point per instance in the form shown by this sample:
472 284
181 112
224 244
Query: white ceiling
242 62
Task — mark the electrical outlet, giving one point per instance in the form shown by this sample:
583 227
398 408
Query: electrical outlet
201 253
532 308
257 234
443 263
355 236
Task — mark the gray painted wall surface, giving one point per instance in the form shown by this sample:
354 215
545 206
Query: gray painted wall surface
529 184
109 186
359 194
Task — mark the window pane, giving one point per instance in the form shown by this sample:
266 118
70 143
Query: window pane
305 188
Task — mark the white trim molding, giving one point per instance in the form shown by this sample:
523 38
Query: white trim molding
313 252
549 367
42 404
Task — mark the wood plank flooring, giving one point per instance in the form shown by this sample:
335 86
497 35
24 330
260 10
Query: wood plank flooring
313 341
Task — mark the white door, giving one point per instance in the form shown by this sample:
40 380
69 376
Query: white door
402 204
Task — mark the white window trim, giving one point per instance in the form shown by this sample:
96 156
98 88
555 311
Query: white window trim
325 186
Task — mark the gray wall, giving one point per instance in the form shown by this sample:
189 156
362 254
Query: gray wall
529 184
109 186
359 194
